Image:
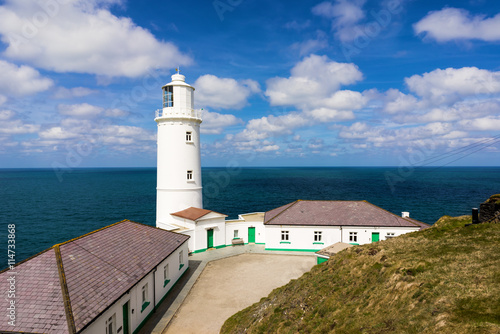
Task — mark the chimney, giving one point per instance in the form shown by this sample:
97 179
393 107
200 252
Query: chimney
405 214
475 216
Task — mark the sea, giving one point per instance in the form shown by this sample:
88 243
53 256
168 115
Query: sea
52 206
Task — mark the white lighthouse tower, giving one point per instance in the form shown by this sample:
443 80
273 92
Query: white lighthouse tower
179 166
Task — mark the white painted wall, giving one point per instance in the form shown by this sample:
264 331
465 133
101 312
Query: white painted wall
134 296
216 223
302 237
176 155
242 227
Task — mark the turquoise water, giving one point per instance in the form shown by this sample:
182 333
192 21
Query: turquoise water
48 210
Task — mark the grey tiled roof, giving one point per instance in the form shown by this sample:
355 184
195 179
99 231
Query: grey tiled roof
98 268
336 213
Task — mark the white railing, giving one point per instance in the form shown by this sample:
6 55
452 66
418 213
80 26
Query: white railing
176 112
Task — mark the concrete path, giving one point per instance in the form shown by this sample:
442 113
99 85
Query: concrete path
229 286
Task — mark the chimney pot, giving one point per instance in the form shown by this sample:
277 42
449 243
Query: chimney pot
405 214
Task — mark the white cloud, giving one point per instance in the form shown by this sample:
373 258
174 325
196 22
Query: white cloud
57 133
458 24
397 102
344 15
85 110
224 93
12 125
21 80
267 148
450 85
67 93
3 99
311 45
482 124
82 37
312 78
215 123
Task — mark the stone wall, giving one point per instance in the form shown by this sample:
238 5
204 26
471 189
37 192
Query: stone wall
488 209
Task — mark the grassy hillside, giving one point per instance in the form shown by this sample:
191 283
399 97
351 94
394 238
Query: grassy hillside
445 279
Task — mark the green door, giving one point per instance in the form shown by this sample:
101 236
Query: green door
251 234
210 238
125 318
375 236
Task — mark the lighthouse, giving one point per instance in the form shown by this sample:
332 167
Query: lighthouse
179 166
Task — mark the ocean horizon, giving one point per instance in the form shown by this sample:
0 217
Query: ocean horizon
52 206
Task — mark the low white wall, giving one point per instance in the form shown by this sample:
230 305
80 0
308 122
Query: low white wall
242 227
200 234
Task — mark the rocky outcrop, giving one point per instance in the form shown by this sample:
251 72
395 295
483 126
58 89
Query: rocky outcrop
490 208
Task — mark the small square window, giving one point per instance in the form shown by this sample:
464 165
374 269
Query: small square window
189 136
111 325
235 233
145 293
285 236
390 235
189 175
317 236
353 236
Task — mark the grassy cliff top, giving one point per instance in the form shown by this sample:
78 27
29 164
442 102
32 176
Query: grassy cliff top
445 279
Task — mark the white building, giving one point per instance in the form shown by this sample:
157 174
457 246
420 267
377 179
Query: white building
108 281
298 226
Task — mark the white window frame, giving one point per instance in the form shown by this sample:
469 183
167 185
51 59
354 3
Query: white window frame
111 321
168 97
318 236
189 175
189 136
181 259
165 272
353 236
285 235
144 293
236 234
390 235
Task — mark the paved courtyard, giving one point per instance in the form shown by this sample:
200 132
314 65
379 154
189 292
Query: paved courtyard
222 282
229 285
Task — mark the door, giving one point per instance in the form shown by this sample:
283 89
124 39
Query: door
251 234
375 236
125 318
210 238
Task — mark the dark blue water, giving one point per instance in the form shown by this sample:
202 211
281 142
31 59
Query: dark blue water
47 210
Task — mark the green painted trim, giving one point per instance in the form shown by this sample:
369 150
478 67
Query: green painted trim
320 260
181 265
285 242
354 244
166 282
200 251
260 243
236 238
144 306
291 250
143 322
219 247
318 243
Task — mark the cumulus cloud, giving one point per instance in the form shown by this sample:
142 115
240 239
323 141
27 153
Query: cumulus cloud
82 37
458 24
85 110
224 93
397 102
12 124
215 123
21 80
312 78
451 84
311 45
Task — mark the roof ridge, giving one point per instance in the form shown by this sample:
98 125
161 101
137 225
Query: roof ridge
70 320
92 232
292 204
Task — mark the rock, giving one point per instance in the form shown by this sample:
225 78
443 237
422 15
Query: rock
490 208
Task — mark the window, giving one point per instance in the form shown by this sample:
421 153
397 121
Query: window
166 279
189 136
285 236
236 234
168 97
111 325
353 236
181 260
317 236
389 235
145 301
189 175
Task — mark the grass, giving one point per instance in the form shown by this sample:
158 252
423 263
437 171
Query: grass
444 279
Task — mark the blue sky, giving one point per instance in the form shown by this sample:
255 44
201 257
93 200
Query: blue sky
281 83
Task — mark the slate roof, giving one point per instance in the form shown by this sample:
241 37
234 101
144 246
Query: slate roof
63 289
193 213
336 213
